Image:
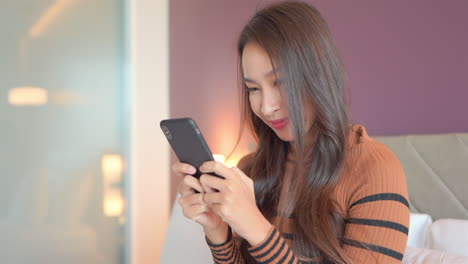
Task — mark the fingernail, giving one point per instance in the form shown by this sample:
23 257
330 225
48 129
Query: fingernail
192 170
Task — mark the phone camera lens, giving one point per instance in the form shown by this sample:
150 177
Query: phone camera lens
166 132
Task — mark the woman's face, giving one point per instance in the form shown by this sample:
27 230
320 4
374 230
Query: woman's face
264 91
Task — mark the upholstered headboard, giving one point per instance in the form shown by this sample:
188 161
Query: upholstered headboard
436 168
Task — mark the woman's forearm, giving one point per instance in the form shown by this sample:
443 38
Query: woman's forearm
218 235
259 233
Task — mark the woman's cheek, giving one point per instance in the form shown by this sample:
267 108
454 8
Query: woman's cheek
290 136
255 105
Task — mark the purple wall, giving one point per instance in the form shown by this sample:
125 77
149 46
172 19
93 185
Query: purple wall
407 63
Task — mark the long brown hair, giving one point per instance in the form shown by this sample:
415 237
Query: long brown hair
299 43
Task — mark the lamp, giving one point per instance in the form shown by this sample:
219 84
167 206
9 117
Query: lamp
112 170
27 95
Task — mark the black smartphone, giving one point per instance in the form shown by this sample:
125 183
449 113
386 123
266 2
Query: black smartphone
187 142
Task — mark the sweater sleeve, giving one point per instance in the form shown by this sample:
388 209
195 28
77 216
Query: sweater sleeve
227 252
272 250
377 220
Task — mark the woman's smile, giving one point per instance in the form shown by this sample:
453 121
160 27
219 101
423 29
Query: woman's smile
279 123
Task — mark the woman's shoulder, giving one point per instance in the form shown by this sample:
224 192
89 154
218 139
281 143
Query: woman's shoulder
370 160
357 134
363 147
371 168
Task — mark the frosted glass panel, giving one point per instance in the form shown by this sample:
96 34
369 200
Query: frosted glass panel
63 132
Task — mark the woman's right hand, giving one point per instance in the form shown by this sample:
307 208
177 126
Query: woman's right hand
192 203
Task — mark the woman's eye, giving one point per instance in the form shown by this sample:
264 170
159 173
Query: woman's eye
251 89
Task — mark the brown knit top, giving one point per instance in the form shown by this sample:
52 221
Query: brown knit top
371 195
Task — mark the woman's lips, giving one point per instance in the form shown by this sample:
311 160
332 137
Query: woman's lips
279 123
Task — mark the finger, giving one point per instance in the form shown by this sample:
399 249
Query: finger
183 189
207 189
194 211
219 210
214 198
193 183
183 168
218 168
213 182
191 199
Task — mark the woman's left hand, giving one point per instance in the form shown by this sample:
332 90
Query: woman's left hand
234 201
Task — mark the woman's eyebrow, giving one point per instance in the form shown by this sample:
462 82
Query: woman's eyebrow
247 79
273 71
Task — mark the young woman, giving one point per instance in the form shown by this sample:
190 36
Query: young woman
317 189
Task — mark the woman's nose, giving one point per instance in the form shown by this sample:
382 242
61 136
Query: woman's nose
271 102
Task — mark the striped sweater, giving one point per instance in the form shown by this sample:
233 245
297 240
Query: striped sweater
371 195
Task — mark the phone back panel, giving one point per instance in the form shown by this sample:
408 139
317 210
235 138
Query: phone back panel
187 141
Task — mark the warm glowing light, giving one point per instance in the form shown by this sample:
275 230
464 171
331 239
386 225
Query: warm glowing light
112 167
27 96
231 162
219 158
49 16
113 203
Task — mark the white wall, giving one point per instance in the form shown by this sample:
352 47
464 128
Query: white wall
149 62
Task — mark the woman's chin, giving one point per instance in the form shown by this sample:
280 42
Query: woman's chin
284 135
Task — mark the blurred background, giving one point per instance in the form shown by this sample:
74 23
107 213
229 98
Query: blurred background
84 168
73 141
64 131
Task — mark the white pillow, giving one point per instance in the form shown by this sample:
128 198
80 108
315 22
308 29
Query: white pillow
430 256
418 230
450 235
